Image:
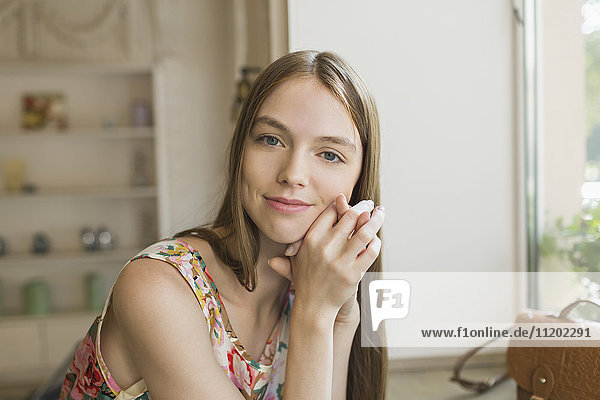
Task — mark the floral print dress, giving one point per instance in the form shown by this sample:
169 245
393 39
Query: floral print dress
89 378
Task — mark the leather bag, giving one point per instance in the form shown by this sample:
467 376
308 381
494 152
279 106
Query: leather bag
546 373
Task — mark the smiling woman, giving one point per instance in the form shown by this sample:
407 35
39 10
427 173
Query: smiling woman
288 159
282 261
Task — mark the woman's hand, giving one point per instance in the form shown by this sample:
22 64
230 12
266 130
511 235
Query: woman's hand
352 224
349 313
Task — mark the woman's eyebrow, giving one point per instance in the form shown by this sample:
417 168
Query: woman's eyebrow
263 119
340 140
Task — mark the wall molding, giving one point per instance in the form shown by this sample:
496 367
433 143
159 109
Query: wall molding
108 30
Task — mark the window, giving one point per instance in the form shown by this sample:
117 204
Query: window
561 120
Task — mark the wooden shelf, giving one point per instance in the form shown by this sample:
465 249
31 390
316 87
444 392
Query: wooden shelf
67 257
81 133
52 316
117 192
67 68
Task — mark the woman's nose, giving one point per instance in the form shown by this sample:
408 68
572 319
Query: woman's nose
294 171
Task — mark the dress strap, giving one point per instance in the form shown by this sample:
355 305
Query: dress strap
134 391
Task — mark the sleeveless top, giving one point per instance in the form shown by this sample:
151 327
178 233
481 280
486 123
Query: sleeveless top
89 378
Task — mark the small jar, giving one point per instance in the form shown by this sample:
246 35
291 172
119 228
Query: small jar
141 114
94 292
40 243
36 297
89 240
105 239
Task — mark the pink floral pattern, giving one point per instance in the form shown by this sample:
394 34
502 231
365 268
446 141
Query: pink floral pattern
89 378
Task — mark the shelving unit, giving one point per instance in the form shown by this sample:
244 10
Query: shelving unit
66 258
83 193
101 56
89 133
83 176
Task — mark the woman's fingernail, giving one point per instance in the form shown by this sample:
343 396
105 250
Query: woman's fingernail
289 250
365 205
381 208
269 262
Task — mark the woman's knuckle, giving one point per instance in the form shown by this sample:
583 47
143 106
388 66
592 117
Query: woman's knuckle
373 251
336 267
363 235
352 214
326 253
339 270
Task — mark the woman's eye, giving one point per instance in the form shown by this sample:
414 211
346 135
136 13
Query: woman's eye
328 156
270 140
331 157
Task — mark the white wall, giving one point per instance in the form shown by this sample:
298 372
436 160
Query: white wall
442 75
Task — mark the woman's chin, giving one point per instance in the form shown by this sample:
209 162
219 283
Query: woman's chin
286 235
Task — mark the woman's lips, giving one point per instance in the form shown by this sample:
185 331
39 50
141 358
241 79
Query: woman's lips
287 208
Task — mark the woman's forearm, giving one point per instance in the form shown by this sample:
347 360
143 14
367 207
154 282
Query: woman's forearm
343 335
309 367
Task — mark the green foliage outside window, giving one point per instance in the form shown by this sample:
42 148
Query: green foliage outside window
578 242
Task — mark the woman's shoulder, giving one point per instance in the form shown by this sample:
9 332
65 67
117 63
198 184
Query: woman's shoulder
147 279
146 276
159 321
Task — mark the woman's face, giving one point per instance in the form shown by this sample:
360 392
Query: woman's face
304 148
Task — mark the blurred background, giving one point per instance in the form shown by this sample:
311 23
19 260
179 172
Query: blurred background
115 117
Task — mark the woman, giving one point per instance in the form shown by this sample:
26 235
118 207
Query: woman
307 139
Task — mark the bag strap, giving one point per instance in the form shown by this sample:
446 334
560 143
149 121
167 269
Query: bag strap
480 386
570 307
490 382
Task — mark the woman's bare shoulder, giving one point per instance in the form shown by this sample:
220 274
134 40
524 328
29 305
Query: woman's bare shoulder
166 333
142 272
146 275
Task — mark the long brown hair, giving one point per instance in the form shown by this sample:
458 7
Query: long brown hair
367 368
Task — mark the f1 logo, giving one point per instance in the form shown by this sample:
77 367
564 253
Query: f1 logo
389 299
